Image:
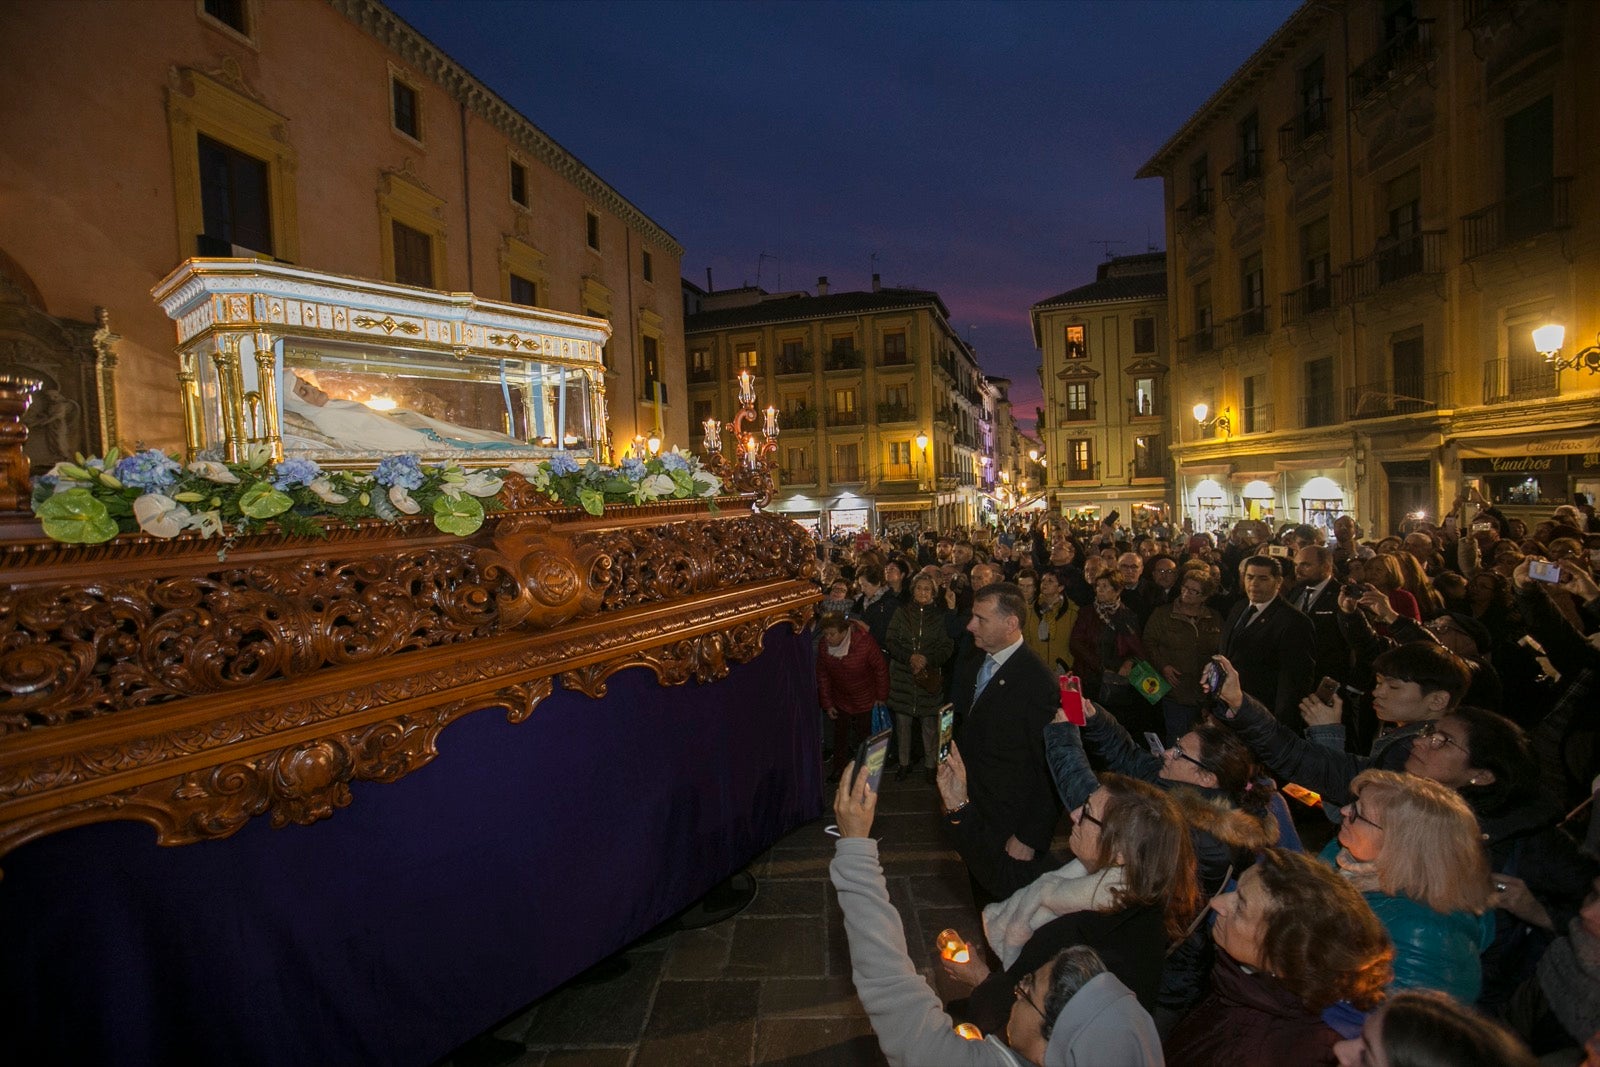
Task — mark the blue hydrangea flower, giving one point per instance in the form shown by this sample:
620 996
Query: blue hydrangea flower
561 463
633 469
674 461
404 471
297 471
150 471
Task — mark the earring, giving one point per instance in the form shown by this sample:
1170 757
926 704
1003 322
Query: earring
1472 781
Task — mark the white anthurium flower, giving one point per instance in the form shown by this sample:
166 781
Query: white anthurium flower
657 485
324 491
209 523
212 471
161 516
526 467
257 456
400 497
710 484
480 483
452 490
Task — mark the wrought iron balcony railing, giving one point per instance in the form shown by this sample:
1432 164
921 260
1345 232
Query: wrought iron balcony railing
1405 51
1300 304
1516 218
1410 395
1394 260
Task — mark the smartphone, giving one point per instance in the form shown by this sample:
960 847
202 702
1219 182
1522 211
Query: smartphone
1484 527
1353 590
870 757
1310 798
1277 550
1541 570
1072 700
1326 688
1211 677
947 730
1158 748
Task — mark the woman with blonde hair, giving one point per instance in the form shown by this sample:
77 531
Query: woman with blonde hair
1383 572
1414 580
1413 848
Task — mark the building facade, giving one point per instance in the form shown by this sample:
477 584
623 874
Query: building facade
1366 223
885 418
329 135
1104 366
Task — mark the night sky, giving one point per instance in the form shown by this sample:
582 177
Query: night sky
981 150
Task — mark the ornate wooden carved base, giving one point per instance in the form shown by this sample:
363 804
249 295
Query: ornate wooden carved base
148 680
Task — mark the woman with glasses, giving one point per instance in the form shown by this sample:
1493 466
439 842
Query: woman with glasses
1181 638
1293 939
1411 846
1128 892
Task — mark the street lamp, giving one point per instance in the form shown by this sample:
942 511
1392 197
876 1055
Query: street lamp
922 449
1221 421
1549 338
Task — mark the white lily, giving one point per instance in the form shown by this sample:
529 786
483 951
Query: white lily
161 516
212 471
400 497
324 491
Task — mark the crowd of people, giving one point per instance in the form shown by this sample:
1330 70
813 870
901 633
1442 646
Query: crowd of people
1329 799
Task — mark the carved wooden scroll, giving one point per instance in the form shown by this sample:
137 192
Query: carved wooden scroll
147 679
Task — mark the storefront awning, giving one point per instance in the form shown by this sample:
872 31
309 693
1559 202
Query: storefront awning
1580 438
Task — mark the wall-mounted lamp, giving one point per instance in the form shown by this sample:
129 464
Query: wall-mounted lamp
653 444
1549 338
1220 421
922 441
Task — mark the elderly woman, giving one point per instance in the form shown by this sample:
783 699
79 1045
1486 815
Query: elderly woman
1430 1030
1048 627
1292 940
1181 637
1105 641
919 648
1127 894
1411 846
851 678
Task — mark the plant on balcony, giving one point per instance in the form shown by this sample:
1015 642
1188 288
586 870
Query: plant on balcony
92 500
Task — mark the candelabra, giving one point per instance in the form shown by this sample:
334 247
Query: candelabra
752 473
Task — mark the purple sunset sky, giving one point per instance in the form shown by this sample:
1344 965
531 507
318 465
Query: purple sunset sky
981 150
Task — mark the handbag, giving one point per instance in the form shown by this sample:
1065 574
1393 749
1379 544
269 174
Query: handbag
880 718
929 679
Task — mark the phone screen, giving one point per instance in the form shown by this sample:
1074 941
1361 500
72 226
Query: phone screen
1072 700
1543 571
1326 689
1211 677
947 729
870 757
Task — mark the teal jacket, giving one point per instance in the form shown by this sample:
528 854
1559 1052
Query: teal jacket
1431 950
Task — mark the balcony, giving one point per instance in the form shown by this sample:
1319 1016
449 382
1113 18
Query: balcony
1244 176
843 418
948 481
795 363
1505 382
1251 322
1394 260
1408 51
894 359
701 375
1300 304
1526 214
1256 419
1070 415
1149 468
1305 130
843 359
1198 343
1078 474
1318 409
1398 396
1149 408
799 419
1196 210
945 415
846 472
888 412
797 476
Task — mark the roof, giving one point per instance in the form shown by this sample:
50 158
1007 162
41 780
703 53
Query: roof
804 307
1137 277
1286 37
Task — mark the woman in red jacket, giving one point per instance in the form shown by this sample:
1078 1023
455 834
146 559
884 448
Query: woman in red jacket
851 677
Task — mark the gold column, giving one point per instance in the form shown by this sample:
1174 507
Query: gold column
268 431
600 434
231 393
194 420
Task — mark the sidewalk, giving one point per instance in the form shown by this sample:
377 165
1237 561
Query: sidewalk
769 986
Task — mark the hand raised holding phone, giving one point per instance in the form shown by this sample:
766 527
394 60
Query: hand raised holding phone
855 803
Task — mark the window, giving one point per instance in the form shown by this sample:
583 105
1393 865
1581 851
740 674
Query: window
647 266
1144 336
413 255
701 367
1144 396
1147 456
1080 459
1400 252
1257 411
1202 316
894 347
1249 165
1313 101
1314 265
233 14
1409 385
524 291
235 201
519 184
699 412
1200 187
1319 392
405 107
747 358
654 387
592 230
1529 139
1252 296
900 453
846 464
792 358
1078 401
1077 343
844 401
897 397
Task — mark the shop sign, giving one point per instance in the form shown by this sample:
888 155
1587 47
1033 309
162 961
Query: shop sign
1559 464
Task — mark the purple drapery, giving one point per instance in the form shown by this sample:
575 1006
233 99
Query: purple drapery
428 909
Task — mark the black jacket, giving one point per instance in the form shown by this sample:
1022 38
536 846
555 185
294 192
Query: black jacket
1273 656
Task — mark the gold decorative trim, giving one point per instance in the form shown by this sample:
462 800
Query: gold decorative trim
389 325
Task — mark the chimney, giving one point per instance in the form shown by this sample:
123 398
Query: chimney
822 285
877 283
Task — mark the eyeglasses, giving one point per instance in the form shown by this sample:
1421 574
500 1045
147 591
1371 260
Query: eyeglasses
1088 816
1354 812
1181 754
1437 738
1024 993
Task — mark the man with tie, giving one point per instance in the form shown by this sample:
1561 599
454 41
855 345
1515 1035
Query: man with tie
1317 598
1005 697
1271 643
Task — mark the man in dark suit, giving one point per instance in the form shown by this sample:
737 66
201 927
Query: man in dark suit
1317 597
1271 643
1005 696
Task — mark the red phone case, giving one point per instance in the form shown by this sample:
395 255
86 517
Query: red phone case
1072 700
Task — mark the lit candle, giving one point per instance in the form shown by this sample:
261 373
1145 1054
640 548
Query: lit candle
952 947
747 388
968 1031
772 421
752 452
713 435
